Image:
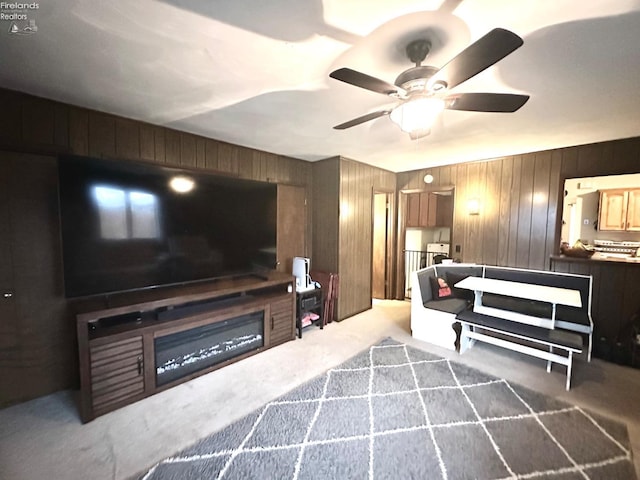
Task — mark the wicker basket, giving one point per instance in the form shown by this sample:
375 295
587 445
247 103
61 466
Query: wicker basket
577 252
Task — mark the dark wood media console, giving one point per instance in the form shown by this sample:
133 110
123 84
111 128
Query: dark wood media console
141 344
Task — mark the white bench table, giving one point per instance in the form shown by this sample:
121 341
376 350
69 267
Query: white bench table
542 293
537 330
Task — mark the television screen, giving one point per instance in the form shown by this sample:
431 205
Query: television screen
128 225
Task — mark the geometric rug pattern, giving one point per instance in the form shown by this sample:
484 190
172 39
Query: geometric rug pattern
395 411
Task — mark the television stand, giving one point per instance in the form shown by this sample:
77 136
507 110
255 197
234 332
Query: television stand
141 344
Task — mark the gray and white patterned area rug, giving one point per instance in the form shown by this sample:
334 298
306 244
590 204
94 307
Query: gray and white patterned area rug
395 411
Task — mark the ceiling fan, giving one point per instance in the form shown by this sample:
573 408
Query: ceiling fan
423 90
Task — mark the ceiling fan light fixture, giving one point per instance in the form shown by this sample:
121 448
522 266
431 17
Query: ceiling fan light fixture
417 114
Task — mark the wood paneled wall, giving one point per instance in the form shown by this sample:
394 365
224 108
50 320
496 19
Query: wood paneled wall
325 216
347 188
615 298
45 357
521 213
520 199
35 125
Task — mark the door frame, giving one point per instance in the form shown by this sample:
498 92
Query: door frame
390 241
402 230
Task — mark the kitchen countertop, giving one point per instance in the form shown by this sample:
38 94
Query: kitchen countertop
599 257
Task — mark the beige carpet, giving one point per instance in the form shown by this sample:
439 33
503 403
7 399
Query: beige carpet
45 439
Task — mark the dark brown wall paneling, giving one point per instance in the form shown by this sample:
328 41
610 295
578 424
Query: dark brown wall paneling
342 221
147 143
78 131
554 206
357 184
127 139
521 199
228 158
616 294
10 120
540 210
160 145
172 147
491 220
504 212
187 150
326 205
201 159
44 358
211 154
38 121
102 135
355 239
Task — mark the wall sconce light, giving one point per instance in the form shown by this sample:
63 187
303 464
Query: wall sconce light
473 206
428 178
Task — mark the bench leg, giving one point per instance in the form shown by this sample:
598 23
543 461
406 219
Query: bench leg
465 342
569 364
590 345
549 363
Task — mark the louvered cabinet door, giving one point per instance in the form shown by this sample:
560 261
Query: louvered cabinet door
282 322
117 373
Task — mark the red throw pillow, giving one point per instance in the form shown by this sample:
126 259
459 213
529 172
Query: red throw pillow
439 288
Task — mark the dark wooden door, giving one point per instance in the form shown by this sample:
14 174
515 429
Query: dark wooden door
43 358
292 226
8 321
379 266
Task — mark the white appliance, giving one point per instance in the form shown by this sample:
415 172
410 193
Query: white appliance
301 268
434 249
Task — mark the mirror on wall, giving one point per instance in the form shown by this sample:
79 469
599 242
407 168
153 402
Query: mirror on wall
602 211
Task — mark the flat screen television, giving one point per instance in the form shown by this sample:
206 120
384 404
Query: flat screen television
130 225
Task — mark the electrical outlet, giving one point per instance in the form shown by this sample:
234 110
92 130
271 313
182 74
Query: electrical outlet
457 248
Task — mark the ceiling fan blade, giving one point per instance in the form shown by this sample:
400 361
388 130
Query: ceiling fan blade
362 119
363 80
478 56
485 102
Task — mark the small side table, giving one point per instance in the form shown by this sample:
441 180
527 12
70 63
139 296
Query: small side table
309 302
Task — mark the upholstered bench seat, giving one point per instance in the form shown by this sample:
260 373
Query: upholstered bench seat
449 305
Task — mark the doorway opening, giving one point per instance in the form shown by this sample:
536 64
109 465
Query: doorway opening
382 251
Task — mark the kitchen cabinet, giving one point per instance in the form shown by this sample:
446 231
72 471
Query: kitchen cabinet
619 210
429 209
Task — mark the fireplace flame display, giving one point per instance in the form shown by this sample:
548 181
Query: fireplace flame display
183 353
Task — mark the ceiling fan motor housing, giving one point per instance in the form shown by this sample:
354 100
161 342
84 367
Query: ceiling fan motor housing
416 78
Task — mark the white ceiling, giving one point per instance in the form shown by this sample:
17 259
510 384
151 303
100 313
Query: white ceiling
256 72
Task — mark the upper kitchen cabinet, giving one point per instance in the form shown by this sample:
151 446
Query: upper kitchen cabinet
429 209
619 210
